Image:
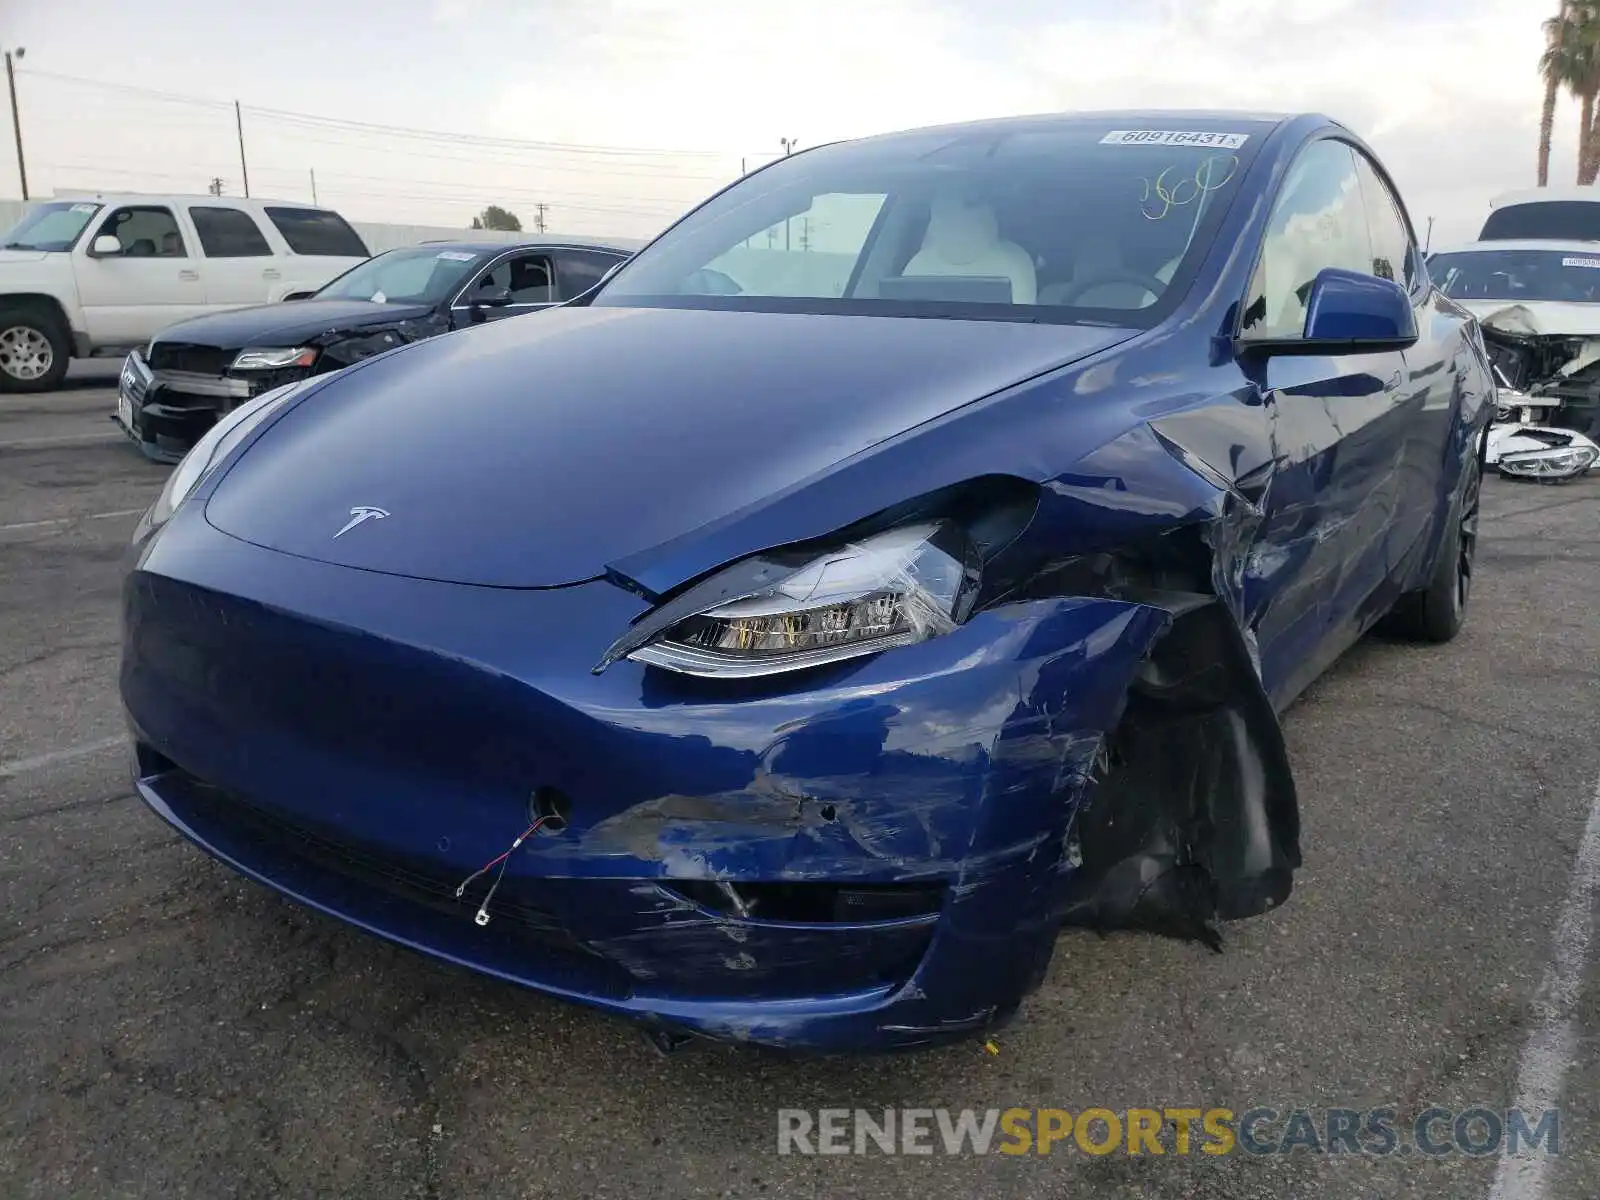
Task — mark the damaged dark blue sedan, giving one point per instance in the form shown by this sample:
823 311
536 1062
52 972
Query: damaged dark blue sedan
904 557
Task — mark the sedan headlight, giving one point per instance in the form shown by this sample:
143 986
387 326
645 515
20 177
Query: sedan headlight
892 589
218 441
1558 462
274 359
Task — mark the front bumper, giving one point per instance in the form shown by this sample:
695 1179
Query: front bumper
361 742
166 412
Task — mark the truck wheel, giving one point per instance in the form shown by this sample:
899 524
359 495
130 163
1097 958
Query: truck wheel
34 351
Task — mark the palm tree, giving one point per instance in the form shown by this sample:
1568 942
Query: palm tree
1571 60
1550 70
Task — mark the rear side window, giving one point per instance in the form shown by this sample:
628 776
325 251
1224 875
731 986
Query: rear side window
1544 220
579 270
314 231
228 233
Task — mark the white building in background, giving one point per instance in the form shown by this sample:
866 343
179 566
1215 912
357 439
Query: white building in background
378 236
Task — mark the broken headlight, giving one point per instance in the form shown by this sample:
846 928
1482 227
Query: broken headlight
267 358
891 589
1557 462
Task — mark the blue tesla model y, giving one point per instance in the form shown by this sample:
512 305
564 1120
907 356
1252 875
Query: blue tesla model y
907 555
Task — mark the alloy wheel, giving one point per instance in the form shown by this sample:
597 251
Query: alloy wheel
25 353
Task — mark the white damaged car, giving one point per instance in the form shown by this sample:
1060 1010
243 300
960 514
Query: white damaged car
1538 304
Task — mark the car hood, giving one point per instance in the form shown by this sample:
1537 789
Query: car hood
535 453
1537 317
22 256
288 323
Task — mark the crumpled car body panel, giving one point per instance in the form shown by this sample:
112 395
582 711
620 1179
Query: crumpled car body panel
1176 540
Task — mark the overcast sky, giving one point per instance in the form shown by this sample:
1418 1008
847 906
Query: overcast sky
1446 90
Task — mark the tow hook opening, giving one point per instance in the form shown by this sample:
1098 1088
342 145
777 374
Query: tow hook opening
549 809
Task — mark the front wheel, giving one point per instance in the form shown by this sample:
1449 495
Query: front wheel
1437 613
34 351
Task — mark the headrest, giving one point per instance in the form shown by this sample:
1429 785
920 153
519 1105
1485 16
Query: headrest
960 233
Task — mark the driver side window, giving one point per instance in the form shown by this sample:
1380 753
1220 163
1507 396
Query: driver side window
1319 220
145 232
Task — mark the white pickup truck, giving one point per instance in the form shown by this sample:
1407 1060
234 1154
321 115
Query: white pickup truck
97 276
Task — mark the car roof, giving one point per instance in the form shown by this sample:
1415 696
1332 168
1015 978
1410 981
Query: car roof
113 198
1132 118
1548 195
609 245
1561 245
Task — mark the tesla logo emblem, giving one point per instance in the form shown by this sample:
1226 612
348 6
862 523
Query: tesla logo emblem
360 513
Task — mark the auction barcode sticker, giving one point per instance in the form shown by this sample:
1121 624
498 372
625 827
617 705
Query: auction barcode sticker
1174 137
1581 262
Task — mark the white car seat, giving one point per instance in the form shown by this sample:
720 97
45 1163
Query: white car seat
963 240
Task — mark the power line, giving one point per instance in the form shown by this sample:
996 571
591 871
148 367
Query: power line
127 88
290 117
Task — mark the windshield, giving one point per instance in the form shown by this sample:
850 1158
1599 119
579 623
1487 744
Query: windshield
1518 275
1054 222
417 275
53 227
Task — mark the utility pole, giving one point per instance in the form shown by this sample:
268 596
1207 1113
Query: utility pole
1429 240
216 185
538 216
788 146
16 119
313 185
238 122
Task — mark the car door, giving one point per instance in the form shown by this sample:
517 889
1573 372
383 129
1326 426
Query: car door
1338 425
577 271
510 285
240 268
1428 400
149 282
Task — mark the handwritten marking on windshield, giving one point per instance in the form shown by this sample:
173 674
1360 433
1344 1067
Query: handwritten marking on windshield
1163 195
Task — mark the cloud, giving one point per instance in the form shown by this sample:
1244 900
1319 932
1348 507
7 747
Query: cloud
1446 93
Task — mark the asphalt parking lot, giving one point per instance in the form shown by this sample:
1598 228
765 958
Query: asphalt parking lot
171 1030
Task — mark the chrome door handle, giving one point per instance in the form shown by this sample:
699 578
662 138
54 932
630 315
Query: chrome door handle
188 274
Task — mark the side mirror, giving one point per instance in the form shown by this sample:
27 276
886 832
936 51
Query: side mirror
1349 312
105 246
493 297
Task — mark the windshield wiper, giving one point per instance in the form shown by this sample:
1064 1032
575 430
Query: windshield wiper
18 246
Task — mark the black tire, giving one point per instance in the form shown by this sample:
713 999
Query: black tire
1437 613
34 349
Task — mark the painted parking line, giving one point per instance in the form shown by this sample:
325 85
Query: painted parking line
39 762
1552 1046
66 439
49 521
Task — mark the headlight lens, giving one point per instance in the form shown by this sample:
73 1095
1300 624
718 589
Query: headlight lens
1555 463
221 438
273 359
891 589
